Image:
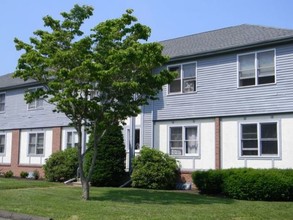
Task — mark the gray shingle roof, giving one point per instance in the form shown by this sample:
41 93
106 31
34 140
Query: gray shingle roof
223 39
6 82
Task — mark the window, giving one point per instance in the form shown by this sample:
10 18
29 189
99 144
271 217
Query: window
256 68
183 140
36 144
259 139
2 102
2 143
185 81
35 104
137 139
71 139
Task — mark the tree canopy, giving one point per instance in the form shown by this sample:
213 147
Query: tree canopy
96 79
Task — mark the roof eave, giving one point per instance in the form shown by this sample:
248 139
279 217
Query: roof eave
231 49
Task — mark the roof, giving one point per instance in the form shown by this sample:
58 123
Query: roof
7 81
223 40
202 44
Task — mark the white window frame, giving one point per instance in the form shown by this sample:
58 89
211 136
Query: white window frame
259 154
34 104
4 150
73 143
182 79
256 77
36 147
183 141
3 103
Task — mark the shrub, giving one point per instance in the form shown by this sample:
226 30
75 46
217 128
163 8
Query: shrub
23 174
36 174
269 185
62 165
247 183
153 169
8 174
109 169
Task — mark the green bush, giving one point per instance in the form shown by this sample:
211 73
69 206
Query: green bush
8 174
61 166
109 169
257 184
153 169
247 183
23 174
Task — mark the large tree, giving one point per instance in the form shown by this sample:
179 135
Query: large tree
97 79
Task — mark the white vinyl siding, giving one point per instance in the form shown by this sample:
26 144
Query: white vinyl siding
256 68
185 82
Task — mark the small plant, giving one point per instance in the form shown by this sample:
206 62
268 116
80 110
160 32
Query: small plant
36 174
8 174
24 174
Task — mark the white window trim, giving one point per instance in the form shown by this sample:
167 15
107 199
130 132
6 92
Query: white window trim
259 156
34 101
183 126
181 78
4 101
127 140
5 144
255 68
44 144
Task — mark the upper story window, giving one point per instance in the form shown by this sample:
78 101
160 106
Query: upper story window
259 139
71 139
2 143
185 81
256 68
2 102
36 144
35 104
183 140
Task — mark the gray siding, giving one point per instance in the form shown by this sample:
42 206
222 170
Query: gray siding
17 116
147 125
217 93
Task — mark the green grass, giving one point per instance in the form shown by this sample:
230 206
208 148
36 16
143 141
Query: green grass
63 202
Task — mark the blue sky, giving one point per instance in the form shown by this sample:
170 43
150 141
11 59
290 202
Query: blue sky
167 18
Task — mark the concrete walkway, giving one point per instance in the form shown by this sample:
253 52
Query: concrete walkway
4 215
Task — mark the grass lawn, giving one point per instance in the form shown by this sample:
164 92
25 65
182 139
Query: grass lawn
64 202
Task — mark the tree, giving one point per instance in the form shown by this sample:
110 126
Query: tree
94 80
110 165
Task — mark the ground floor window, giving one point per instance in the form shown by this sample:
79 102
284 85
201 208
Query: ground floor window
183 140
259 139
71 139
2 143
36 144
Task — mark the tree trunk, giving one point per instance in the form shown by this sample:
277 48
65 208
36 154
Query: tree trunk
85 189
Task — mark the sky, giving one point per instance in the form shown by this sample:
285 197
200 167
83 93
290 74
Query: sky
167 18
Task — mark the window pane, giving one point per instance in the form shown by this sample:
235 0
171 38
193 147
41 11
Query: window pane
32 105
39 103
32 138
191 133
247 144
137 139
40 139
267 79
269 147
265 59
31 148
189 85
176 69
2 102
249 131
175 86
2 143
191 147
247 82
246 62
176 133
69 139
269 130
249 153
189 70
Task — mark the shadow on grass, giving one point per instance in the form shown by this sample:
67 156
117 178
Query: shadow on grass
138 196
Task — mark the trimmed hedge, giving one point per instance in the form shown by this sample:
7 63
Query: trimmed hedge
153 169
247 183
